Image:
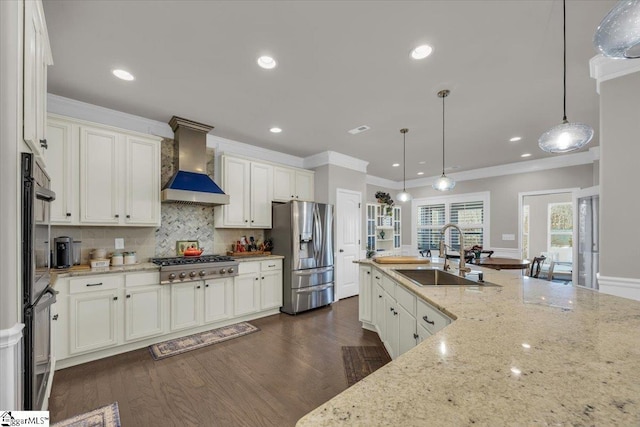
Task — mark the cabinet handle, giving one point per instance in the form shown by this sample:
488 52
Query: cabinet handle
55 317
68 213
272 265
198 287
43 144
416 336
128 296
117 216
391 309
115 298
379 296
395 313
426 319
128 216
378 277
94 284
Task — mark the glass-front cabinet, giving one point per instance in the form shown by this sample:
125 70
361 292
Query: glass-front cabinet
384 229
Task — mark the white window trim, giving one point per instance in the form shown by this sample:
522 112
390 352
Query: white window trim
484 196
526 209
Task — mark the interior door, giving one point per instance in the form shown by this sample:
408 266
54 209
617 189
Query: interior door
347 242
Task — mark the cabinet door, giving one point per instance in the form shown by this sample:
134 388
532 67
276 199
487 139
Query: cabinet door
218 299
246 294
142 182
61 162
284 184
407 330
304 186
271 289
99 176
261 195
186 305
391 325
380 311
143 312
235 182
364 299
93 320
422 333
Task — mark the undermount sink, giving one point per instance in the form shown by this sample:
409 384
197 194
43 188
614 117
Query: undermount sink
435 277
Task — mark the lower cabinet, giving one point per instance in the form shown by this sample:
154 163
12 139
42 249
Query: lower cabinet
186 305
246 298
143 312
258 286
93 320
218 299
401 319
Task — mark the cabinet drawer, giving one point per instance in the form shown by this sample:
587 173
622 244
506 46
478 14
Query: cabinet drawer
431 318
275 264
96 283
377 277
389 286
142 279
406 299
248 267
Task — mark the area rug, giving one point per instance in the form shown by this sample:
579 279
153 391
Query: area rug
360 361
107 416
202 339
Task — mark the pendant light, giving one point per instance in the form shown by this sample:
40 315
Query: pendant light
566 136
618 35
403 196
444 183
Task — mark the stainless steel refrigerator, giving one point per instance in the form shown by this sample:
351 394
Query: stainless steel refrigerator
303 233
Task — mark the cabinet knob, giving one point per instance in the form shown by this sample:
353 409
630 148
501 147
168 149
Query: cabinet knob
246 220
251 220
55 317
43 144
416 336
426 319
379 296
257 278
206 286
368 272
128 296
128 216
262 277
115 298
391 309
292 196
68 213
395 313
117 216
198 287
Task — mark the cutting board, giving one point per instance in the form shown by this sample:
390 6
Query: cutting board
401 260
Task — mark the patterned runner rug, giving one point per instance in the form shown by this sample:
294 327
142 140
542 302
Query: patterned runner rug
360 361
107 416
202 339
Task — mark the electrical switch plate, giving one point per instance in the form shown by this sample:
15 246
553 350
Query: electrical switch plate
119 243
508 237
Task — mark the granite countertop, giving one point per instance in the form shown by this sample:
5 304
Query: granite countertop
257 258
528 353
85 270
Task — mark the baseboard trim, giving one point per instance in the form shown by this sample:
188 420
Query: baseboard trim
620 286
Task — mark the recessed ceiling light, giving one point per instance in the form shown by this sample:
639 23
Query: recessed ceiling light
422 162
421 52
267 62
525 155
515 139
395 165
420 173
124 75
275 130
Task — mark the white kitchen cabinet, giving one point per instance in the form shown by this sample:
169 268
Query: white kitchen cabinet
218 299
93 320
379 309
186 305
392 333
142 181
292 184
37 57
258 286
61 159
366 295
407 337
246 294
143 315
270 284
249 186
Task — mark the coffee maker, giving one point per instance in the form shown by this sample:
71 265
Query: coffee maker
63 251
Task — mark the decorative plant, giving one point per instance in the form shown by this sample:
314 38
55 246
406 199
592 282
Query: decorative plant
385 198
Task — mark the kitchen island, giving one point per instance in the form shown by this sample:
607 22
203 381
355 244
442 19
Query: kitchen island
529 352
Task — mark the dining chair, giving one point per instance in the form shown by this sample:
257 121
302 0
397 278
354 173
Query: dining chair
536 265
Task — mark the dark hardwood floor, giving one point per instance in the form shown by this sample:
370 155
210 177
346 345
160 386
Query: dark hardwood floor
268 378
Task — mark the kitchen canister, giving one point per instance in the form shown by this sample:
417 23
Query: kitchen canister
129 258
117 258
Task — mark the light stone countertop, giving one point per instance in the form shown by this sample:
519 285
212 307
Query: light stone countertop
528 353
257 258
85 270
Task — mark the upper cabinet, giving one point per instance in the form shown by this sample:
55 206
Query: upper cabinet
248 185
37 57
292 184
102 175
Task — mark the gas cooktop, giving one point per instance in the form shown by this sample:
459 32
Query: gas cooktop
195 268
185 260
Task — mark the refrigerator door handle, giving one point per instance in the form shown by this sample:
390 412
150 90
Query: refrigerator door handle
312 289
312 271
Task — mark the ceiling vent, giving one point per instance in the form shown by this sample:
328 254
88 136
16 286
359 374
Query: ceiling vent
359 129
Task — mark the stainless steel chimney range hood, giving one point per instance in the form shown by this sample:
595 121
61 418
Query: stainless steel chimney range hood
191 184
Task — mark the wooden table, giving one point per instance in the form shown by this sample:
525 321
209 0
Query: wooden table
498 263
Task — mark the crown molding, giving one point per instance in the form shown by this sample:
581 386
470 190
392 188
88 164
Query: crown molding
223 145
603 68
383 182
336 159
106 116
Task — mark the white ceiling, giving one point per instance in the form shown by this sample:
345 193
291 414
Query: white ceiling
341 64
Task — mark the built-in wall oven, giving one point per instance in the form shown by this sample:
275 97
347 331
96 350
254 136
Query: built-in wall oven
37 294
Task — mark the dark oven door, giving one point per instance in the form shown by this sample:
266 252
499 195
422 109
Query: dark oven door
38 350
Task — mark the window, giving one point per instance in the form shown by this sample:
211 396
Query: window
560 221
468 211
525 231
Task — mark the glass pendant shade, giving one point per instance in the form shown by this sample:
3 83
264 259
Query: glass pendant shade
618 35
444 183
565 137
403 196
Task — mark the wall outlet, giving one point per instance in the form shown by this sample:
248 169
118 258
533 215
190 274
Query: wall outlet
119 244
508 237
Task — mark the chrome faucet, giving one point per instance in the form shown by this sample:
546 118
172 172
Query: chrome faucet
461 266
